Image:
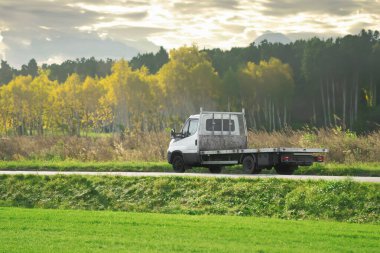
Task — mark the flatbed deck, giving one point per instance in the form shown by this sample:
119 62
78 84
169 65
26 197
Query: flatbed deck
265 150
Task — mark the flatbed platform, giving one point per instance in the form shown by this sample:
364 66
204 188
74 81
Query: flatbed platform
265 150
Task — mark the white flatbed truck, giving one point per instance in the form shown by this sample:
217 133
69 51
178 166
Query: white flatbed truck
218 139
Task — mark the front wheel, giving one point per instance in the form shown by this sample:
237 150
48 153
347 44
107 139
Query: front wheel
179 164
285 169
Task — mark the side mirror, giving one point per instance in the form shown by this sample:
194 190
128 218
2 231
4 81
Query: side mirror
172 133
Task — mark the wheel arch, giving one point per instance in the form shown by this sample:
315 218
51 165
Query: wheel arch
174 154
245 155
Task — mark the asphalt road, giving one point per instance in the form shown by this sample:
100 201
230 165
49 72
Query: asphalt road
160 174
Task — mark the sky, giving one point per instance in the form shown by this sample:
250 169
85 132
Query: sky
52 31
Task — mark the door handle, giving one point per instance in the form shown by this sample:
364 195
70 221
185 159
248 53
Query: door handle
196 142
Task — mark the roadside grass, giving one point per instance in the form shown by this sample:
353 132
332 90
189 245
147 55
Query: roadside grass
72 165
288 199
38 230
331 169
336 169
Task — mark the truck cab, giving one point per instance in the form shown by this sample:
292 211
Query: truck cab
185 143
217 139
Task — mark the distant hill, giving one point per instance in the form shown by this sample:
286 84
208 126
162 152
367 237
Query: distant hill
272 38
63 48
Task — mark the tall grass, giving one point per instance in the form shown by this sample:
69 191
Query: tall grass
132 147
345 147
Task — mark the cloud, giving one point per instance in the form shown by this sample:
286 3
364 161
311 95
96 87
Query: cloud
45 29
357 27
67 45
52 29
194 6
32 13
55 59
126 11
135 31
336 7
3 47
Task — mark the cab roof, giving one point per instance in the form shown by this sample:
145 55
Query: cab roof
195 116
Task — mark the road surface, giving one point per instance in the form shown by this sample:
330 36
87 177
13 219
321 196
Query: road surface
160 174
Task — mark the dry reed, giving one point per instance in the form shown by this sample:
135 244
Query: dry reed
345 147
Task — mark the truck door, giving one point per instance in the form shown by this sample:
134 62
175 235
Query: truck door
189 143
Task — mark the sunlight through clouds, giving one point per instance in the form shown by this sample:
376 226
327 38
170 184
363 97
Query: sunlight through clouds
145 25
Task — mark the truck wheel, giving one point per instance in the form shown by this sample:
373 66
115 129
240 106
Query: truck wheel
215 169
179 164
285 169
249 165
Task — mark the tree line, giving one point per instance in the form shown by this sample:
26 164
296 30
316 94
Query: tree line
320 83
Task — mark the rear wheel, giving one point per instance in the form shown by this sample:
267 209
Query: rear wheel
179 164
285 169
215 169
249 165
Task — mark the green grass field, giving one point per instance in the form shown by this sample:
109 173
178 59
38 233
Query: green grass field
334 169
38 230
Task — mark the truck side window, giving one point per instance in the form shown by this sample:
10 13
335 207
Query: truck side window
218 125
193 126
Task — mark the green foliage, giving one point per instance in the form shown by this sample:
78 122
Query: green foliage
152 61
308 139
330 83
189 74
36 230
30 70
130 100
83 67
266 88
341 200
6 73
348 134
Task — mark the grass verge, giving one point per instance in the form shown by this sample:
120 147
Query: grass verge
289 199
331 169
37 230
336 169
70 165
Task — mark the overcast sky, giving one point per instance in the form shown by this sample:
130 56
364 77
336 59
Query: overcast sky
53 31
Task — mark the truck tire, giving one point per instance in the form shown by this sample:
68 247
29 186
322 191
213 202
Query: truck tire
215 169
178 164
249 165
285 169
